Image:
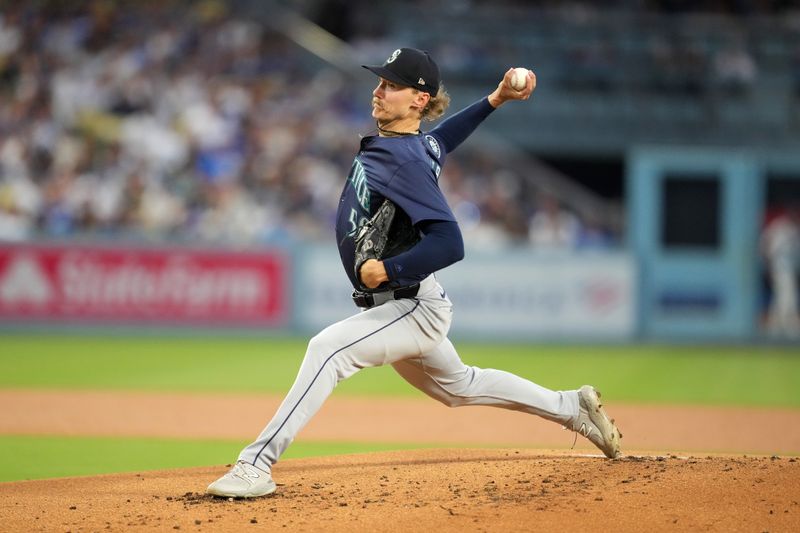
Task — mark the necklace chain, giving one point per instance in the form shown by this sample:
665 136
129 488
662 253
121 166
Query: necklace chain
395 133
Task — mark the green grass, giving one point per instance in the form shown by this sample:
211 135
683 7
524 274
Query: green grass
28 457
711 375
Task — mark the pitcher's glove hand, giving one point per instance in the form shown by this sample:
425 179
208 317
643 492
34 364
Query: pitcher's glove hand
388 233
373 236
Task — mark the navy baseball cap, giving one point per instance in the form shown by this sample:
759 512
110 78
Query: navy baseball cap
410 67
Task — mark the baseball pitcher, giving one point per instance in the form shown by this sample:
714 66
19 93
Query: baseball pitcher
394 230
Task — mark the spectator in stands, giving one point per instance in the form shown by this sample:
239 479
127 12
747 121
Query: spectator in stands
594 235
14 225
553 227
735 68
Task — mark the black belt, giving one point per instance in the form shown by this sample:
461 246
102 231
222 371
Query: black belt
366 300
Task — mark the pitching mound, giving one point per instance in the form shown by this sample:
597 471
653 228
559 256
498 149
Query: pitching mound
437 490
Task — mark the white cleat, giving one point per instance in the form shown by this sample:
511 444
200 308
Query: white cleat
593 423
243 481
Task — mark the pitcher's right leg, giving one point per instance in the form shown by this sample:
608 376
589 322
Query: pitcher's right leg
372 338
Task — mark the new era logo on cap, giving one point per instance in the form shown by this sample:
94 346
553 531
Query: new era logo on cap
410 67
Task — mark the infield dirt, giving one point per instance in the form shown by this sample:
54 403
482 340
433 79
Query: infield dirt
436 490
519 488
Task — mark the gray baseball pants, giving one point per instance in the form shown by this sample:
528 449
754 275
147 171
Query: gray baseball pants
411 335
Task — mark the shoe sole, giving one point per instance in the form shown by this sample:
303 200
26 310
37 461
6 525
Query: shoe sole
222 494
597 414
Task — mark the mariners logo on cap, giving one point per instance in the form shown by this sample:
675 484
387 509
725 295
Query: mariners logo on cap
393 56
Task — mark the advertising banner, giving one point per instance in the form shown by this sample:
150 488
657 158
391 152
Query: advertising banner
566 296
94 284
521 296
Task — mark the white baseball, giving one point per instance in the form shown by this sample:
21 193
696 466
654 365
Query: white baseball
519 78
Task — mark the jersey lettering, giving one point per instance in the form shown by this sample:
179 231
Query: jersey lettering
355 222
404 170
436 169
359 180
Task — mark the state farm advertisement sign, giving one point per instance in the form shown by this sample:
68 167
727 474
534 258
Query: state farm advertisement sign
159 286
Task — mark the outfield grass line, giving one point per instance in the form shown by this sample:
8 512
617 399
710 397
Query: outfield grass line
761 375
24 457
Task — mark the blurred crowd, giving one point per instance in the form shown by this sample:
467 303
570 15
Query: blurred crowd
162 122
181 121
170 122
711 50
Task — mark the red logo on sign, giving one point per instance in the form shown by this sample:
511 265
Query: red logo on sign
143 285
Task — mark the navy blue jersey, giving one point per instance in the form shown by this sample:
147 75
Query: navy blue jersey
406 170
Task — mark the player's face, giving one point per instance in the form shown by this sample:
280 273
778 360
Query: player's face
392 102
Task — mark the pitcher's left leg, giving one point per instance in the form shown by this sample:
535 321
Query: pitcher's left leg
441 374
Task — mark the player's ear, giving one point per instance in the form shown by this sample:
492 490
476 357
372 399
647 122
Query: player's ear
421 99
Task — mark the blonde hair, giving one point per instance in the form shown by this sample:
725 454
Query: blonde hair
437 105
